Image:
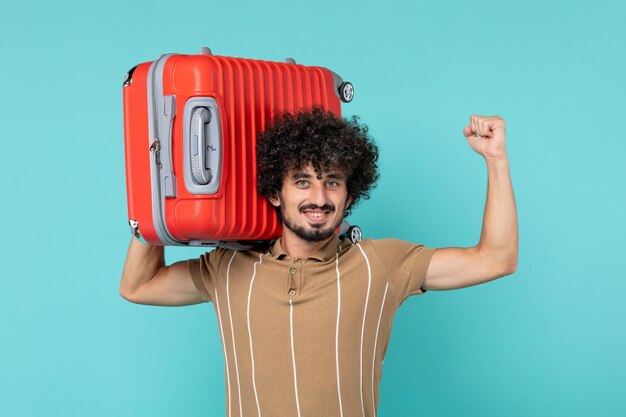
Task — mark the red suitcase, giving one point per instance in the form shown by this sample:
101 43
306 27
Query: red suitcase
190 129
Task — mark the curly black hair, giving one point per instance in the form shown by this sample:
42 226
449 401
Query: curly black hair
321 138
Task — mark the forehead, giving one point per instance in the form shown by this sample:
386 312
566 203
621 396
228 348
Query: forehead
308 171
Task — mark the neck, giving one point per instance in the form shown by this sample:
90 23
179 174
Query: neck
298 248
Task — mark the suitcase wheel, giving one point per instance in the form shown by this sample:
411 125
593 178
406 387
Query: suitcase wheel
134 230
128 78
346 92
354 234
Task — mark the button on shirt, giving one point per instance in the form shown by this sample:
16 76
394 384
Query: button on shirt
308 336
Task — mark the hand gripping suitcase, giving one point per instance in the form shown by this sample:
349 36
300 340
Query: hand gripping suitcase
190 130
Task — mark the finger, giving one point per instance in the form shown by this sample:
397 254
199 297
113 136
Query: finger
483 124
473 123
490 124
483 127
497 121
467 132
477 124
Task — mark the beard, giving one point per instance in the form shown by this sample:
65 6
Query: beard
317 234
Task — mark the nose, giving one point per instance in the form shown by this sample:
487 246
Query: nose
318 194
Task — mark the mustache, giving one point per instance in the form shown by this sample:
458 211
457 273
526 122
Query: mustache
325 207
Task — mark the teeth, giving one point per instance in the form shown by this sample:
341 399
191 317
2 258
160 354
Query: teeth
315 214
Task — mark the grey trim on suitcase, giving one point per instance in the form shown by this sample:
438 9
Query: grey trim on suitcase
161 111
202 146
230 244
337 81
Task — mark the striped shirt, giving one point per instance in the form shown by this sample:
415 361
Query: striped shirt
307 337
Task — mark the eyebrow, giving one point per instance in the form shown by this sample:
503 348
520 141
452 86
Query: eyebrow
305 175
301 175
336 176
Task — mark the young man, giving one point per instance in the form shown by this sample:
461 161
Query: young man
305 322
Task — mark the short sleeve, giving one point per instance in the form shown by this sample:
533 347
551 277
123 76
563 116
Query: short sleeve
406 264
204 271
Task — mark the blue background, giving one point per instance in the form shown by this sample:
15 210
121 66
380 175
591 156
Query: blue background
546 341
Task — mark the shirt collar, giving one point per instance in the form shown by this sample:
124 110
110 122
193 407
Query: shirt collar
324 254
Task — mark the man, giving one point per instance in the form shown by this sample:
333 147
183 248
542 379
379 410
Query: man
305 322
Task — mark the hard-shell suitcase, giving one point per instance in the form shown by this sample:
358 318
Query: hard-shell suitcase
190 130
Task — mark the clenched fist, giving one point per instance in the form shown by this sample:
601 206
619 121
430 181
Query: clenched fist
487 136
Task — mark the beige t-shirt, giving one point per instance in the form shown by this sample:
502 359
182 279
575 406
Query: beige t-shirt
307 337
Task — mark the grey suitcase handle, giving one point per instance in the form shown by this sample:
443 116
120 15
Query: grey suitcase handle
200 169
202 145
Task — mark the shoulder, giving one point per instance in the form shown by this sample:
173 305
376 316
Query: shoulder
220 259
214 254
213 258
382 249
396 252
390 244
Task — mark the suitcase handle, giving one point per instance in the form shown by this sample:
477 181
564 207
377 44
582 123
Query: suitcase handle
202 145
200 150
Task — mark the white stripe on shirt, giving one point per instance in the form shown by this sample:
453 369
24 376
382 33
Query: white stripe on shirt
337 332
233 330
219 315
369 282
293 357
382 305
256 397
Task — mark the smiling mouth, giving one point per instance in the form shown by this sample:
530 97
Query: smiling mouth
317 215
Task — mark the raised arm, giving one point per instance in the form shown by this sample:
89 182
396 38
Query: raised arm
496 253
147 280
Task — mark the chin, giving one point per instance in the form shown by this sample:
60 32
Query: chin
311 233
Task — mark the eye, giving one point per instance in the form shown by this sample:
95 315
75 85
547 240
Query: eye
302 183
332 184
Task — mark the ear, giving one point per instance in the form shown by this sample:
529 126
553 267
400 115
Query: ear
348 202
275 200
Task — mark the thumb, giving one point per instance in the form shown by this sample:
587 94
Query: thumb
467 132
